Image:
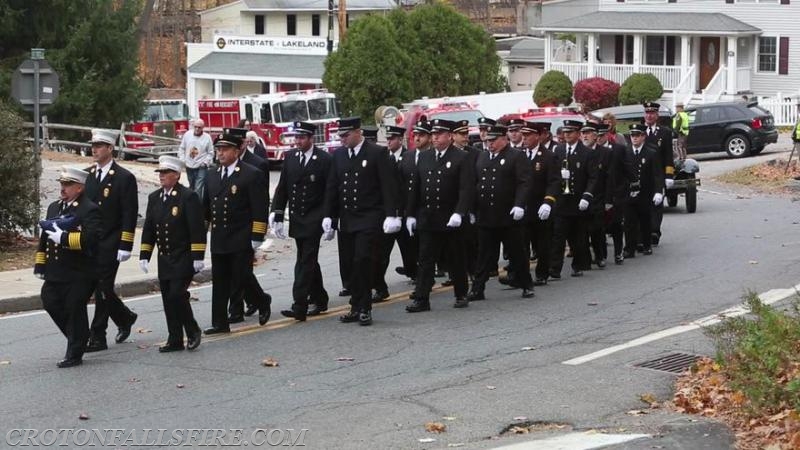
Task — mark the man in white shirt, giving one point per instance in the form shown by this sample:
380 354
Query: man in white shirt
197 152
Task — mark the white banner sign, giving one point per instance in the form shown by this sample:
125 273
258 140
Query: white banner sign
276 45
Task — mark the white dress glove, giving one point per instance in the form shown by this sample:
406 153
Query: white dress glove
271 219
668 182
327 226
472 219
123 255
455 221
277 230
544 211
198 266
517 213
392 225
55 235
583 205
328 235
411 225
657 198
609 206
144 265
255 244
39 276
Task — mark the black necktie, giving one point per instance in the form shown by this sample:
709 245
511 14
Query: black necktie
302 159
63 208
164 196
636 152
224 174
352 153
650 131
99 174
438 156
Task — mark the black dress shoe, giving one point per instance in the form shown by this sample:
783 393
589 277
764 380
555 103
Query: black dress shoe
170 348
654 238
461 302
294 315
629 255
266 310
418 305
193 339
601 263
527 292
556 275
577 273
70 362
125 331
540 282
216 330
365 318
95 346
380 296
350 317
475 296
235 319
251 309
647 251
447 282
400 270
618 260
315 310
344 293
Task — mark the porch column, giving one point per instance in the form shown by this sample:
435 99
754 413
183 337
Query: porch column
686 56
637 52
731 63
217 88
592 52
191 95
578 47
548 49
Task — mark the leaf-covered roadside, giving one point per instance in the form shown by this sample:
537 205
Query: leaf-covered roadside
754 383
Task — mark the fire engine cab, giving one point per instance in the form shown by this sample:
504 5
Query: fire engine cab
271 116
556 115
429 109
166 118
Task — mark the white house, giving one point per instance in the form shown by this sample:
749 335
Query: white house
700 50
264 46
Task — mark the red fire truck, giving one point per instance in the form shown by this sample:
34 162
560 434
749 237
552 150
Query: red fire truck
556 115
430 109
167 118
271 116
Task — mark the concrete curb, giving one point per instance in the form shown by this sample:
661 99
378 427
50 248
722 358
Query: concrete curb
124 290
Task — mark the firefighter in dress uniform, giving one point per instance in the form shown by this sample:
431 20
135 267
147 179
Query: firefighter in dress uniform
174 223
644 191
659 136
469 232
439 200
235 204
597 215
301 187
619 173
66 260
113 188
362 197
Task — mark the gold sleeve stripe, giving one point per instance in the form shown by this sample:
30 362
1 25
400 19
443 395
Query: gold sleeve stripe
198 247
551 198
146 248
40 258
259 227
74 241
127 236
669 170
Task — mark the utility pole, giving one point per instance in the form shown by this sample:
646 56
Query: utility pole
342 19
330 26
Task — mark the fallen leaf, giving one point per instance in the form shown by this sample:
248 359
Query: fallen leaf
518 430
519 418
133 380
143 330
435 427
491 388
592 303
527 349
269 362
636 412
142 346
756 237
650 399
426 440
752 261
345 358
179 386
83 416
458 444
450 418
5 362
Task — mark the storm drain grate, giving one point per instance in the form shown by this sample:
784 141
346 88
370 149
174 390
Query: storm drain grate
675 363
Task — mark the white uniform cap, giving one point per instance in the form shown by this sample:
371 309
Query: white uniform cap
103 137
166 162
72 175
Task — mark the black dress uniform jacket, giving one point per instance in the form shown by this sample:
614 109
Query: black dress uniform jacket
646 177
360 192
620 174
662 141
236 208
582 180
406 167
441 188
545 182
303 189
176 226
118 200
503 183
601 157
261 164
74 258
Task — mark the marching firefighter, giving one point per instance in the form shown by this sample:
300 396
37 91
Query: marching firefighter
660 137
619 172
644 191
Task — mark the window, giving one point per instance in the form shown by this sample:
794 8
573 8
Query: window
757 1
734 113
315 24
628 49
707 115
655 50
265 87
291 24
260 24
226 86
767 54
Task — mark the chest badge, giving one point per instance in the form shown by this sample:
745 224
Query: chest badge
312 177
538 166
448 164
174 211
578 164
364 163
642 160
502 161
234 189
106 192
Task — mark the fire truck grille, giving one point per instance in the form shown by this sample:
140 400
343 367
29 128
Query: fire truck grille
319 134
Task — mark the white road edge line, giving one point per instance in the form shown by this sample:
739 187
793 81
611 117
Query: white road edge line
769 297
575 441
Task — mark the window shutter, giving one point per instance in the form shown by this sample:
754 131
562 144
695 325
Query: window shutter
728 1
620 1
784 2
672 1
619 49
783 56
670 50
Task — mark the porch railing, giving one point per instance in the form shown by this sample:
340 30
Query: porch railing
617 73
685 89
743 79
716 87
574 70
669 76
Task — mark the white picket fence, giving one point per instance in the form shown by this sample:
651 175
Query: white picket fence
783 109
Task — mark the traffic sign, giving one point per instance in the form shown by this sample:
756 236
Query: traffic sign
23 84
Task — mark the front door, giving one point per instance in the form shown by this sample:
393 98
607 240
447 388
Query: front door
709 59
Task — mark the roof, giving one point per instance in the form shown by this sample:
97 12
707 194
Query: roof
316 5
264 65
653 23
527 50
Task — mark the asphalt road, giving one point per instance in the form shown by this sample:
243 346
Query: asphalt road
478 370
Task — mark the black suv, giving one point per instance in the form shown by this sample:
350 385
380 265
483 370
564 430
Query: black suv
741 129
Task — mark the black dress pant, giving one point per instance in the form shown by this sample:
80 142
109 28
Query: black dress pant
308 276
614 226
108 304
469 237
65 302
656 216
345 263
638 214
570 229
360 251
539 234
230 273
489 240
409 252
386 247
177 309
597 235
432 244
